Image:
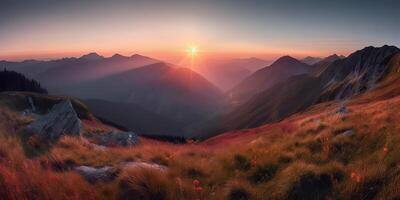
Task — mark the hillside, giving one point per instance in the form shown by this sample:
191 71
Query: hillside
326 152
134 117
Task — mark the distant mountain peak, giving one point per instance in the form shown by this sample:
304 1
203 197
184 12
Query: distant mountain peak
250 59
285 59
311 60
118 56
92 56
137 56
333 57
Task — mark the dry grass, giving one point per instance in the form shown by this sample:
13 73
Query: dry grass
304 157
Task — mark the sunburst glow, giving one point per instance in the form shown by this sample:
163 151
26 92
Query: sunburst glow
192 51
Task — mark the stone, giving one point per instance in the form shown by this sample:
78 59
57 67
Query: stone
342 109
60 120
348 133
92 174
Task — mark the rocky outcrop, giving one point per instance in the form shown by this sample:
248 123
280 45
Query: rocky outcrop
60 120
360 72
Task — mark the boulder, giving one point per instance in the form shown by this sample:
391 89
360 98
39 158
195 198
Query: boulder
60 120
117 138
92 174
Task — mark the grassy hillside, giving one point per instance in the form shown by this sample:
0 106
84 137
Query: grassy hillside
319 154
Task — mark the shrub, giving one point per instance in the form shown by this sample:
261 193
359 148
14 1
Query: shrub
238 194
263 173
194 173
241 162
311 186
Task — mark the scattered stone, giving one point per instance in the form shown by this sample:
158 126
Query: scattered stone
348 133
343 109
93 175
117 138
61 120
144 165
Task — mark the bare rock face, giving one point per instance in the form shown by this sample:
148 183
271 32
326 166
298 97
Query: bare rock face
61 120
93 175
117 138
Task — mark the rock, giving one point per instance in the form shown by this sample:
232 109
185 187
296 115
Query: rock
342 109
117 138
144 165
108 173
93 175
348 133
31 104
61 120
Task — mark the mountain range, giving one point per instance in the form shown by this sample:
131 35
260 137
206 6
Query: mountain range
137 91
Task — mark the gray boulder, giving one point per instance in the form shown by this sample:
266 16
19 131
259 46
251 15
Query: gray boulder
60 120
93 175
117 138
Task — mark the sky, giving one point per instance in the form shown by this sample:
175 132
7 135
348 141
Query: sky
165 29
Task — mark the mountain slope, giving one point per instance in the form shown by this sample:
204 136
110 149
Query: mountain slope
134 117
359 72
174 92
321 66
267 77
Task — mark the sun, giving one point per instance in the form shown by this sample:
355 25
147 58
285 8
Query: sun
192 51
